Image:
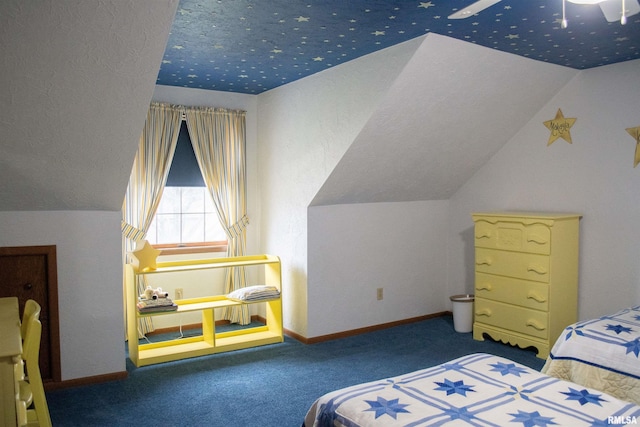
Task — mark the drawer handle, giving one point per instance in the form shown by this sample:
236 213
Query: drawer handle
537 239
486 261
484 312
537 269
485 235
532 295
535 325
484 287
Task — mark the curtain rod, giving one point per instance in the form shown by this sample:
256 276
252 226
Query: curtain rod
183 107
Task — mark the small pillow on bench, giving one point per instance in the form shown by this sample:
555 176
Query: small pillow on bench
253 293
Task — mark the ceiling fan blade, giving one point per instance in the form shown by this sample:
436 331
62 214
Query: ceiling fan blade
612 9
472 9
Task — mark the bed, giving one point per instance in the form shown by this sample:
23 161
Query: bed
478 389
601 353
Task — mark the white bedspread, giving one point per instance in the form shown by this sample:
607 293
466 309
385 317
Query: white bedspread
478 390
601 353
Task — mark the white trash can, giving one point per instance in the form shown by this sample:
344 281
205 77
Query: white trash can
462 312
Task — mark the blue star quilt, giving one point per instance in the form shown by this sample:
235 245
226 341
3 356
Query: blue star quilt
474 390
602 353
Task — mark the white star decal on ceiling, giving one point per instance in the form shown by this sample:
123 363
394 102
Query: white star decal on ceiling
426 5
302 19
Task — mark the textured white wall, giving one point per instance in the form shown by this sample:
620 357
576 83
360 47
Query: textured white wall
355 249
593 176
77 77
450 109
89 283
305 128
417 124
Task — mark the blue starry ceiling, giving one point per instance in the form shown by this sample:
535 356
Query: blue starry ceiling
251 46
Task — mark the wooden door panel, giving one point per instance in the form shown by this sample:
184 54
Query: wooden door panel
30 273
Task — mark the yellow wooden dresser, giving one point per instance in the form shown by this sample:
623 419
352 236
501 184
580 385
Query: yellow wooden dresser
526 277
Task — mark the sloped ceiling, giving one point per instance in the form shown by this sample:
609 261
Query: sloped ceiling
76 80
452 107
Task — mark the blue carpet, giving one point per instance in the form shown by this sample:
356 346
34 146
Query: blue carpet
267 386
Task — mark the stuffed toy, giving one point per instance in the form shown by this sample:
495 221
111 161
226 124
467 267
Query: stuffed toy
151 293
159 293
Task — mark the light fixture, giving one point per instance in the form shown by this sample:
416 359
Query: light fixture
620 10
613 9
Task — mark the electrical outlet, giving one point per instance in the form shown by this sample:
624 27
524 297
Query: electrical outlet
179 293
379 294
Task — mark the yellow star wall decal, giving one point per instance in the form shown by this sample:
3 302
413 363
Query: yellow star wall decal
635 133
144 256
560 127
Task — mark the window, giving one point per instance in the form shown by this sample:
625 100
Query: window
186 216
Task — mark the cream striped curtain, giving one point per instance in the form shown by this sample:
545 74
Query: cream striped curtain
218 139
148 178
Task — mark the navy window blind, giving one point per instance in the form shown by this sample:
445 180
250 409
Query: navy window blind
184 171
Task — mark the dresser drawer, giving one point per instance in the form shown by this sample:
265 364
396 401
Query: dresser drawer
511 317
513 236
513 291
513 264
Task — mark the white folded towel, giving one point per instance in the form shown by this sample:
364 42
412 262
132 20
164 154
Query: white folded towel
253 293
